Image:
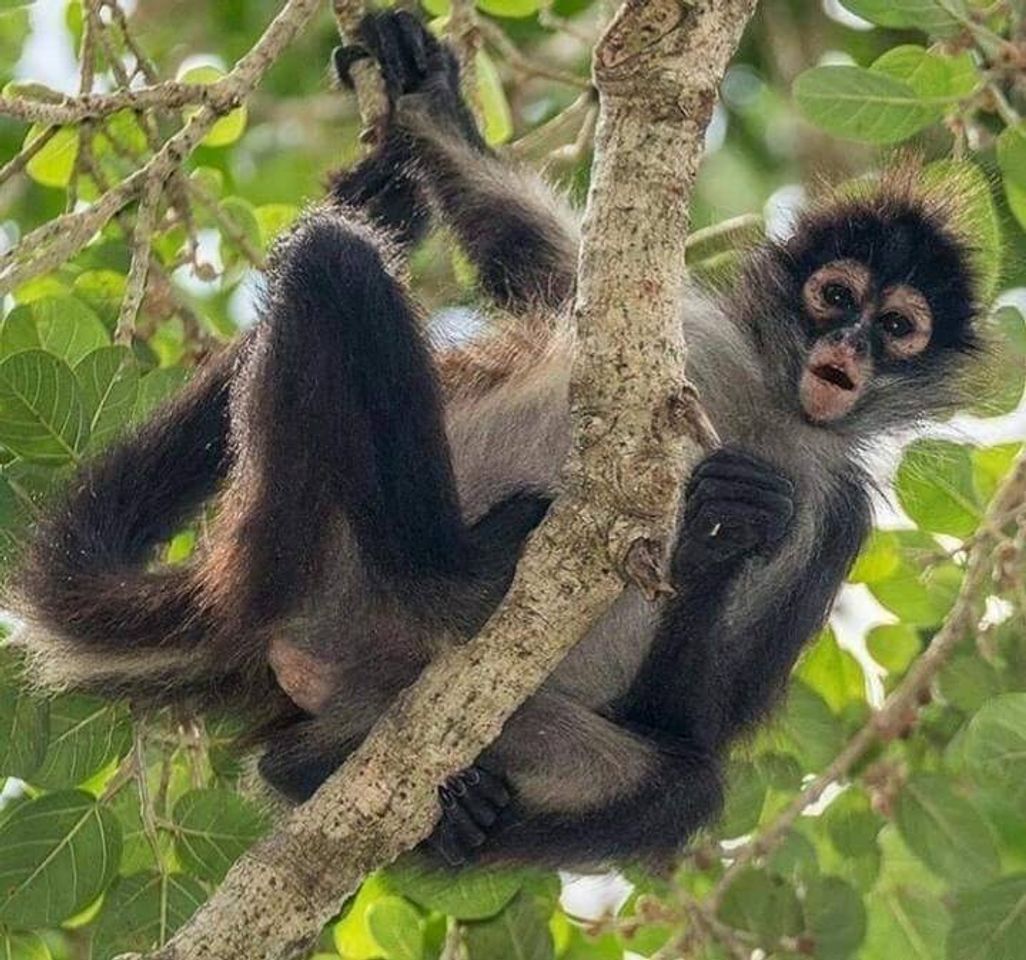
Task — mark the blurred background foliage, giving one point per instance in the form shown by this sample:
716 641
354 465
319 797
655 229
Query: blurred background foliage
114 827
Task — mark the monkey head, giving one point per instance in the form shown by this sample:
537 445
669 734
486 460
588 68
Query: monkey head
874 319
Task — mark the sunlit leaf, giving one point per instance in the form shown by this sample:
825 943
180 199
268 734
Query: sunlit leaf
85 734
54 164
228 128
468 895
397 928
935 487
862 105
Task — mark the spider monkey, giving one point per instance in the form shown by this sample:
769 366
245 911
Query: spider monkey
374 492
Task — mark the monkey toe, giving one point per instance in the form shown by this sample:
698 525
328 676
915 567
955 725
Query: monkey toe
472 801
406 51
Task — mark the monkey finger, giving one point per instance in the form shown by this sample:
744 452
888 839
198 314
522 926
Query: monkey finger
714 489
343 59
416 41
732 464
491 787
461 822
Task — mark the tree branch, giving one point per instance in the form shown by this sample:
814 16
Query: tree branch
60 239
657 69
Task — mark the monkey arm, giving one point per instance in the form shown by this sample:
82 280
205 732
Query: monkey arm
522 241
760 671
715 665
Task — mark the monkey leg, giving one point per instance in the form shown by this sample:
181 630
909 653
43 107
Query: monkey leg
95 617
337 418
582 791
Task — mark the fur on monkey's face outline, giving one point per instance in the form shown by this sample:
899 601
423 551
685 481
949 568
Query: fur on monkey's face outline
880 294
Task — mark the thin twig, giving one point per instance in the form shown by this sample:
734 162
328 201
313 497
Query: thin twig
142 240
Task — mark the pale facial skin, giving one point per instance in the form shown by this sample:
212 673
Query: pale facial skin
856 327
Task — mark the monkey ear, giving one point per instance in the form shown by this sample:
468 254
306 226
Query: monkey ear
343 59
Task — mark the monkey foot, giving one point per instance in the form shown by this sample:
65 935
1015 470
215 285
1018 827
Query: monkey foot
471 802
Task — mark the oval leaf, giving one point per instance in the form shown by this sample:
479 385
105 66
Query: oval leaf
945 831
469 895
990 924
109 378
397 928
213 829
862 105
143 910
57 855
42 417
85 735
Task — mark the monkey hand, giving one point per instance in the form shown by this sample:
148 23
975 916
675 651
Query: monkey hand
411 59
737 506
471 801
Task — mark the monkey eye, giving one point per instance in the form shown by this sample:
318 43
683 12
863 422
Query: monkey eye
836 294
895 324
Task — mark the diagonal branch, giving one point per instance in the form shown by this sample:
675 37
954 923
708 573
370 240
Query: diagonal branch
60 239
657 70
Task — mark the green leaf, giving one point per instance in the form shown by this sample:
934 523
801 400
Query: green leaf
351 935
397 928
19 332
935 487
212 830
990 924
520 932
990 466
880 557
894 646
967 682
272 219
109 378
835 917
746 793
231 126
57 855
42 417
862 105
851 824
945 831
498 119
764 905
905 921
812 729
143 910
1005 364
55 162
926 73
24 725
23 946
68 328
467 895
156 387
241 214
102 291
1011 158
941 18
832 672
85 735
995 743
509 8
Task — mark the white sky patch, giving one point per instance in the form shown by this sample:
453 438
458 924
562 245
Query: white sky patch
842 15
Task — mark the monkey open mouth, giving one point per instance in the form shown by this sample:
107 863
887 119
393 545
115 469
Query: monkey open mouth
835 375
832 382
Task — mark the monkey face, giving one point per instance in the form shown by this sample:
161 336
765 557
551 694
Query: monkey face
856 326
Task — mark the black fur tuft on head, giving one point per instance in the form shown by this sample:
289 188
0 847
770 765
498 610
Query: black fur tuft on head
906 233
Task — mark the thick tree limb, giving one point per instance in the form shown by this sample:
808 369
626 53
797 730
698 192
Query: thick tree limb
657 70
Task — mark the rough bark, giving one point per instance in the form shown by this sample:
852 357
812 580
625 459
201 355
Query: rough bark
637 428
